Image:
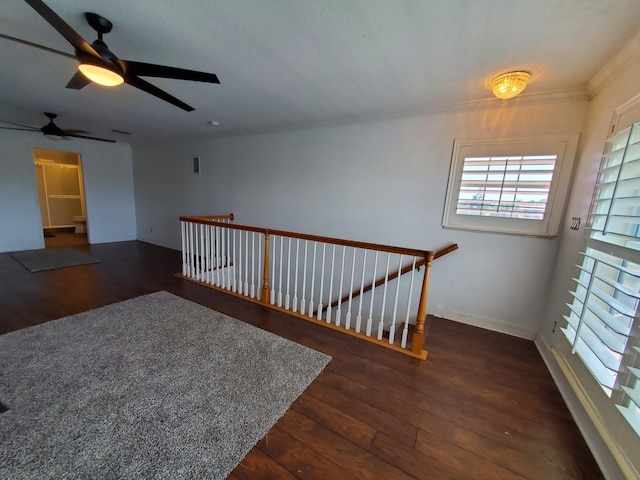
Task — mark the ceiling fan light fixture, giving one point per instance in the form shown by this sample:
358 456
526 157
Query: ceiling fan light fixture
510 84
100 75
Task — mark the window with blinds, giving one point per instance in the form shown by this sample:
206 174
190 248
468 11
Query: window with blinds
602 320
509 186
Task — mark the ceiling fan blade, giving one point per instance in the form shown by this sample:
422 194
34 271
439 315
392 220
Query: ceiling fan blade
19 124
152 70
87 137
21 129
63 28
78 81
36 45
155 91
72 132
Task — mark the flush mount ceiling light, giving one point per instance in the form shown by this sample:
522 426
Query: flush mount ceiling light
508 85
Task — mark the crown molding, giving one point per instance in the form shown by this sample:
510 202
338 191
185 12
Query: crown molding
577 94
616 65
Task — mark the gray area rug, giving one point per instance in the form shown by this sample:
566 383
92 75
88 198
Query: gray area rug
153 387
52 258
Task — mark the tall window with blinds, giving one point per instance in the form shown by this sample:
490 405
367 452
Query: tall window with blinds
509 186
602 318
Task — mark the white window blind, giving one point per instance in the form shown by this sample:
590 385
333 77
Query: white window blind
602 319
514 187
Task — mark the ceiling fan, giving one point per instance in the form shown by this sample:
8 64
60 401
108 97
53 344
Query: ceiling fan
100 65
51 130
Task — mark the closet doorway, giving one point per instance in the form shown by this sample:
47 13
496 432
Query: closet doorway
61 196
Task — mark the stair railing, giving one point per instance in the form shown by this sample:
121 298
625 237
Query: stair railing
329 281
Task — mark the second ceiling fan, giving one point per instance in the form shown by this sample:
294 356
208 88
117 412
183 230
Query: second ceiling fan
100 65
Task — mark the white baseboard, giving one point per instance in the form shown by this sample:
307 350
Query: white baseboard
483 322
602 453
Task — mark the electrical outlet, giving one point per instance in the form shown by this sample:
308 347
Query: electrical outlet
575 223
555 325
150 229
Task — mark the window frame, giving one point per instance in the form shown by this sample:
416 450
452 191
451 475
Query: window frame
564 146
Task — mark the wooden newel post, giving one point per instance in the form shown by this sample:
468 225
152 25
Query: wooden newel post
418 334
265 280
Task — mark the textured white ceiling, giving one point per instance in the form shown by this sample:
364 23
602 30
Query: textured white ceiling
301 62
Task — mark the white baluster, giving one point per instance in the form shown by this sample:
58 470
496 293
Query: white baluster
324 247
280 275
253 264
330 301
347 319
240 263
392 328
190 249
197 252
223 257
211 253
182 245
203 253
194 251
359 317
187 237
234 285
260 268
373 289
214 255
219 253
189 232
303 302
218 257
272 300
229 280
384 299
200 251
287 297
295 282
405 330
207 256
246 265
338 311
313 280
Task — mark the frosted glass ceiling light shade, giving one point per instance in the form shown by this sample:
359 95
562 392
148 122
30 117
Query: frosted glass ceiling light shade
510 84
100 75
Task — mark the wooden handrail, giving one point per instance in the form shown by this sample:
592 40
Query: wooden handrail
315 238
378 282
207 219
441 253
451 248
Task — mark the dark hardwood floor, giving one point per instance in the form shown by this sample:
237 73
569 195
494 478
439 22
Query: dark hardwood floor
483 405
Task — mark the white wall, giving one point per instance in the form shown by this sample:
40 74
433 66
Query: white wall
381 181
108 183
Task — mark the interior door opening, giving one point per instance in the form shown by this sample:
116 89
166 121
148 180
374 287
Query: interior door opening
61 196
